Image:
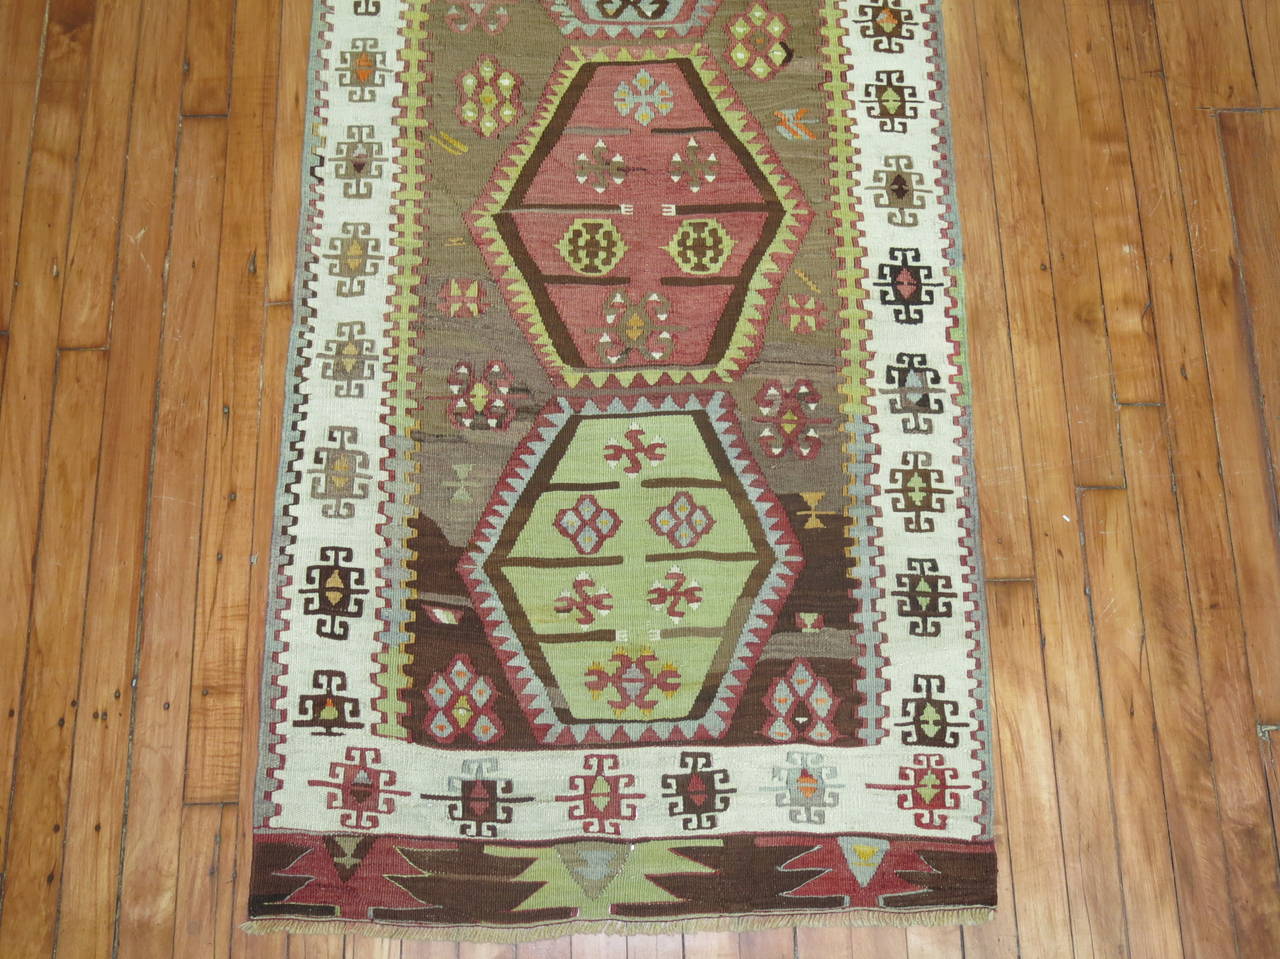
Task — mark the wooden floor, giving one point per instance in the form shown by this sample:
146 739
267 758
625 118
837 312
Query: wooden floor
1121 208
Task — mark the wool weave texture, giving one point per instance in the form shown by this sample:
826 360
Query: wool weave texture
625 572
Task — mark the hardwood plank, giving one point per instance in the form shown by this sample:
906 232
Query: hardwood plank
545 949
654 947
1247 140
149 880
997 939
1027 761
207 57
92 855
1255 208
888 941
1262 24
711 945
1209 54
33 331
205 881
819 942
21 29
100 179
1221 469
485 950
222 618
362 947
1087 824
1192 803
4 355
286 184
273 376
1002 494
1117 230
1240 465
934 942
596 947
1073 254
1121 638
334 947
767 944
33 869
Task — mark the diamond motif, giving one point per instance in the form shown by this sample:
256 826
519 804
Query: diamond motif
549 256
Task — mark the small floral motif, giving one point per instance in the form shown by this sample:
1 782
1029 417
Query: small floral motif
462 702
644 98
488 97
758 41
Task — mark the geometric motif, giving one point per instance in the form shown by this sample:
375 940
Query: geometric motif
642 263
348 360
906 285
464 704
479 800
887 24
334 592
462 298
924 595
928 787
932 720
915 387
633 681
787 412
488 97
337 476
917 491
480 399
491 16
808 788
699 791
804 314
630 19
363 70
800 689
360 788
328 711
360 160
601 801
758 43
899 188
891 101
617 532
354 256
625 529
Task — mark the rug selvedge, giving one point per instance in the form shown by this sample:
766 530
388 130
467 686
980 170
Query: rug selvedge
625 563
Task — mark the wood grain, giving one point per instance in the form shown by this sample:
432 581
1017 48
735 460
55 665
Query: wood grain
1186 752
1119 209
1117 230
286 176
1002 494
22 28
1121 636
207 56
149 893
1036 844
33 332
222 617
33 869
86 923
100 178
1073 253
1088 830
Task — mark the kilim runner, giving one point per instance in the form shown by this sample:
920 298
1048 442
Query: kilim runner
625 572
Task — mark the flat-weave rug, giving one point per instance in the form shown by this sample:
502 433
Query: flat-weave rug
625 572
